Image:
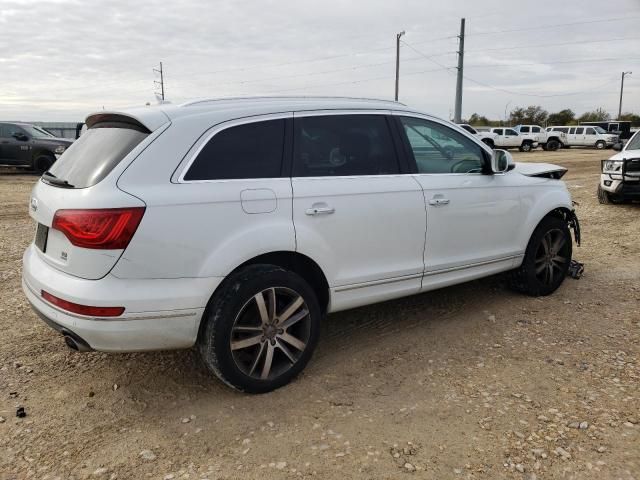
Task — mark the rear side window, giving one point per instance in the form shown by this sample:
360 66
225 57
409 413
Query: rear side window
535 129
92 157
252 150
510 132
343 145
498 131
524 129
579 131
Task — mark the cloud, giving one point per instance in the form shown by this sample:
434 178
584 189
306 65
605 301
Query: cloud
60 60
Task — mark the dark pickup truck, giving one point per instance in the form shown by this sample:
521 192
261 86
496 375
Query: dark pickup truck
25 145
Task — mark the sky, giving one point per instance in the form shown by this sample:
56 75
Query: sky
63 59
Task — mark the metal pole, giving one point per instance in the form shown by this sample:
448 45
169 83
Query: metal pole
458 111
161 81
398 63
621 90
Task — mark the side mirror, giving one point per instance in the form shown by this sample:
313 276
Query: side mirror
20 136
617 146
501 161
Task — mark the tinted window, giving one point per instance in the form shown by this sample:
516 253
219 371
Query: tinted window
252 150
510 132
590 131
572 130
498 131
439 149
338 145
535 129
468 129
524 129
7 130
92 157
579 131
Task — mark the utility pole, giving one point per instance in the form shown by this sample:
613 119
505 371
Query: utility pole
458 111
398 35
621 89
161 82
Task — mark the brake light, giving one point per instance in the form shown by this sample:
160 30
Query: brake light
106 229
82 309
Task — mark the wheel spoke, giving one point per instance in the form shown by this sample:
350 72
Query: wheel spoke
550 269
291 308
293 319
558 243
247 329
262 308
285 350
545 243
257 360
540 268
271 303
293 341
559 259
268 360
246 342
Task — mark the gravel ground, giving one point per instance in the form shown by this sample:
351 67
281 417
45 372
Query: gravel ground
471 381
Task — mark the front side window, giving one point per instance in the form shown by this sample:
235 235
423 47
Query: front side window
591 131
252 150
599 129
343 145
440 149
634 143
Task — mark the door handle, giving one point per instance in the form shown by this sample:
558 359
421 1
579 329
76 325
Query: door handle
437 202
320 210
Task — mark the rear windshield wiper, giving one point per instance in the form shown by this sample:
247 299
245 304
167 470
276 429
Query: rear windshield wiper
53 180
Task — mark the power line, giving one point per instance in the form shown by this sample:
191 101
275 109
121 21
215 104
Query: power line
559 62
553 44
511 92
545 27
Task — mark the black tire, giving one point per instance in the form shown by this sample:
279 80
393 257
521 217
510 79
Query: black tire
550 240
607 198
600 145
43 162
233 315
489 143
525 147
553 145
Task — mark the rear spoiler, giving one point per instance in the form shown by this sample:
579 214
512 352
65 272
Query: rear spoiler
146 119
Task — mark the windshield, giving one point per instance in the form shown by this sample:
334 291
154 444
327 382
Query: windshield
92 157
35 132
600 129
634 143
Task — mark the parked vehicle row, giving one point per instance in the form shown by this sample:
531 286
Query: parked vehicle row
236 225
577 136
25 145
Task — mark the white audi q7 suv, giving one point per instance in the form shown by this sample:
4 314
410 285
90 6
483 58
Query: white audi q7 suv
236 225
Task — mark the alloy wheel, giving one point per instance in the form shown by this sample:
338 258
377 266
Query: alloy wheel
270 333
551 257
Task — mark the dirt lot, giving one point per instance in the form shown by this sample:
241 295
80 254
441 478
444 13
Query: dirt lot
471 381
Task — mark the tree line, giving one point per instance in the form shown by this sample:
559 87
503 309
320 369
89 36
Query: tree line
536 115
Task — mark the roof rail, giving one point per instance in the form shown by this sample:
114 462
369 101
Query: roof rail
285 97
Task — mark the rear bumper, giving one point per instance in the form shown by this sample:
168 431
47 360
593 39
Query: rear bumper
159 313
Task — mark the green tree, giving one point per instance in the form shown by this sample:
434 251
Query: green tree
533 114
480 120
598 115
563 117
631 117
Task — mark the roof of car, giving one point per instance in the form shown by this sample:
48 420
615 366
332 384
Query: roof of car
154 116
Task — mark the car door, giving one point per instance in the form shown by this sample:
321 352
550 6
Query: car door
16 151
590 136
500 141
580 138
512 139
355 213
471 215
571 136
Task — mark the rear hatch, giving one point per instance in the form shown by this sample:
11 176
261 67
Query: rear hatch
84 222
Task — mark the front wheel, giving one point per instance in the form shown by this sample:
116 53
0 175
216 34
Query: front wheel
42 163
600 145
546 260
553 145
261 328
525 147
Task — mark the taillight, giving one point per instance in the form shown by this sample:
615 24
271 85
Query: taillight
106 229
82 309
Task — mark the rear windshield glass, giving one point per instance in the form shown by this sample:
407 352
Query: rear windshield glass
90 158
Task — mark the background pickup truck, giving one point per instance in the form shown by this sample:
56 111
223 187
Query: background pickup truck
548 140
486 137
509 138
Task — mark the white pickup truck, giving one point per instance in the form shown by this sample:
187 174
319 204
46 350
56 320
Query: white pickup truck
552 140
509 138
487 138
586 136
